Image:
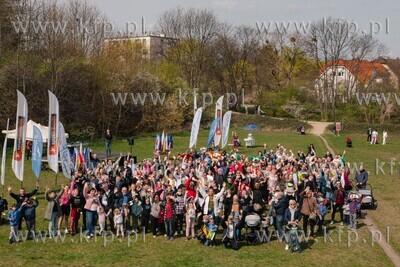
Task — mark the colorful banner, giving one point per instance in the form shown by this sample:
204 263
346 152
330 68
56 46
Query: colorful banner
20 137
158 141
4 156
64 152
170 143
52 142
37 151
225 129
195 127
211 134
218 114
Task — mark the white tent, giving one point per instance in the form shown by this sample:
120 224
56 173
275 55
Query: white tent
29 131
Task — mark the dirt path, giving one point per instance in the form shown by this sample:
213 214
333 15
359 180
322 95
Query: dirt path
318 129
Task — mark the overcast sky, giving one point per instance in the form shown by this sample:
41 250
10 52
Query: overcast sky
362 12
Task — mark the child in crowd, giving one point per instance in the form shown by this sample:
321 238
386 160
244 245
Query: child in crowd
346 212
102 219
190 217
14 215
354 206
211 231
322 210
119 222
30 215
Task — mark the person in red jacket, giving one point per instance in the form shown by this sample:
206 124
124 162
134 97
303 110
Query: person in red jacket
191 188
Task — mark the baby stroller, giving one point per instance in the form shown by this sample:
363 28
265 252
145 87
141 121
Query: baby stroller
349 142
367 200
252 225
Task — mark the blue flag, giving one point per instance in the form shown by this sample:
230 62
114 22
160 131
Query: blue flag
37 150
213 128
87 158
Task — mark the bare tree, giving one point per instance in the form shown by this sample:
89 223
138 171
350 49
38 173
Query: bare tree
330 40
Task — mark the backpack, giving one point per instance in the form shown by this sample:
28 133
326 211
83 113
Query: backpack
3 204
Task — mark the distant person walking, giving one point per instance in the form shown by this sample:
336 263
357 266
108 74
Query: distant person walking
108 139
384 136
374 136
369 135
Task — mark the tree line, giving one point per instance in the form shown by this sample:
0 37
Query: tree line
277 69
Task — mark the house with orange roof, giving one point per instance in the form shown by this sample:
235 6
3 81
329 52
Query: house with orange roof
340 80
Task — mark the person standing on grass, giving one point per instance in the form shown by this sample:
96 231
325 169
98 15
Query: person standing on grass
53 211
309 208
30 215
108 139
65 208
92 203
20 198
14 215
384 136
338 198
369 135
361 178
374 137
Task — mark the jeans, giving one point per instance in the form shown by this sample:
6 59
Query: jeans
353 220
279 221
108 148
90 216
179 222
169 227
53 223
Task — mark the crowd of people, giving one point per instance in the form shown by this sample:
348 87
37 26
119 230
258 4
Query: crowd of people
202 195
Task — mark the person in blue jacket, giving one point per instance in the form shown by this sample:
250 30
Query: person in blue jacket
292 217
14 215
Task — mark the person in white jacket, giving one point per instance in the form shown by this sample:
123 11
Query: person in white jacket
211 201
384 136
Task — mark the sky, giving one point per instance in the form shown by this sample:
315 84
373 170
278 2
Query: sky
378 17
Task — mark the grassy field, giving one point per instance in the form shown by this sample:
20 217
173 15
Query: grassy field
384 180
159 252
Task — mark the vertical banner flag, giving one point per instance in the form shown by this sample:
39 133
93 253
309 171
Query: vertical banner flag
170 143
3 157
218 114
86 156
157 145
20 137
195 101
211 134
76 157
225 129
195 127
52 142
64 152
162 142
37 151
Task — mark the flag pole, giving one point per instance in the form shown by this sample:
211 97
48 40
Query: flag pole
56 178
4 160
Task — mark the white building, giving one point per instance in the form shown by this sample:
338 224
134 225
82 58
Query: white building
153 46
339 81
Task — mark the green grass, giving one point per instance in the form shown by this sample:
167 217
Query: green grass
386 186
159 252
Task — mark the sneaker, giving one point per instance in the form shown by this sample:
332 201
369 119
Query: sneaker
154 236
176 233
165 235
331 222
187 238
66 231
58 232
299 251
171 238
181 232
341 223
287 247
